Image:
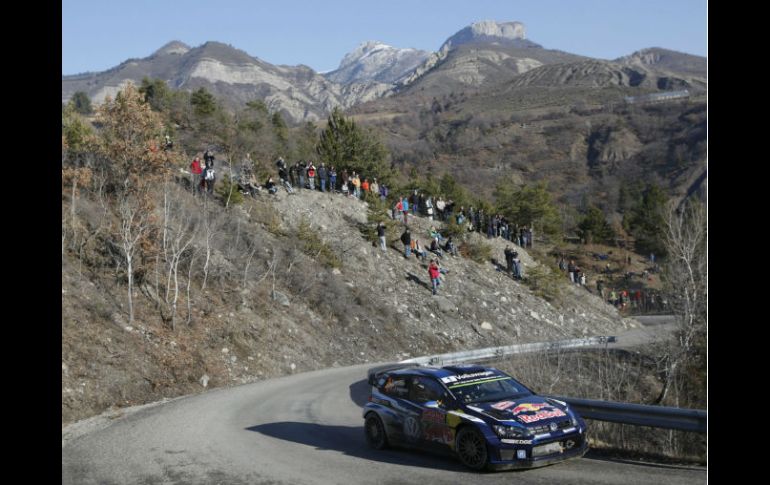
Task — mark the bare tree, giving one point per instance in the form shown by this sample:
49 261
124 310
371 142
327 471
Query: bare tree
685 279
182 231
133 227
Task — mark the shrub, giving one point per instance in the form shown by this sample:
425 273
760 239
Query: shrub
229 191
544 282
315 247
479 252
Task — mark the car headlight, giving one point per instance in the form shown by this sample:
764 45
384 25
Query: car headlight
509 431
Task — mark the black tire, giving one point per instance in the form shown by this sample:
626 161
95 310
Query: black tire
375 432
471 448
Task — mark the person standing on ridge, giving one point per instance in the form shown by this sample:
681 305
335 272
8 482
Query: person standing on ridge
434 274
381 235
196 170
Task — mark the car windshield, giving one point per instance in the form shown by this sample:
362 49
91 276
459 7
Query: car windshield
494 389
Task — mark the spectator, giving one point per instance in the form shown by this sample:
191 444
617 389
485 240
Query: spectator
311 175
322 177
197 178
434 274
406 238
450 246
435 248
332 179
270 186
210 178
381 235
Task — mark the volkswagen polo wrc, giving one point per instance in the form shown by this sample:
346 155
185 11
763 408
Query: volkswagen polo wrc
481 414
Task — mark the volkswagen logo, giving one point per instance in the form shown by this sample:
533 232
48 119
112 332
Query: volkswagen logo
553 426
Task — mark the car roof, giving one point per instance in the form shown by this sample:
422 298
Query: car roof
447 371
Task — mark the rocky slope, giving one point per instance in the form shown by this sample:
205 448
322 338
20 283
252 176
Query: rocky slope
231 74
375 61
272 307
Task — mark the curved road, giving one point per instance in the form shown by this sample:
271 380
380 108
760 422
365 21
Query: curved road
300 429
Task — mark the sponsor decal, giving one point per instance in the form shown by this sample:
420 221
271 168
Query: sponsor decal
411 427
466 416
517 442
433 416
480 380
503 405
541 411
465 377
528 406
438 433
531 418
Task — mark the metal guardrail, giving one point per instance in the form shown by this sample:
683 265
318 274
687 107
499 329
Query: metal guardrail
635 414
496 352
639 414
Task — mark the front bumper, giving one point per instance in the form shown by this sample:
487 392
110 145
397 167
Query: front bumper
497 462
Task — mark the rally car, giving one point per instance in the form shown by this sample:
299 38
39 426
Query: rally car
481 414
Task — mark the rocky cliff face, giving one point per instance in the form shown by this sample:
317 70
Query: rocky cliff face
375 61
510 33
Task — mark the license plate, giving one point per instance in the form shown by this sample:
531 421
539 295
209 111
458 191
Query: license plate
546 449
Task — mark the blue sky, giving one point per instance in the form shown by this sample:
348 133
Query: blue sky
100 34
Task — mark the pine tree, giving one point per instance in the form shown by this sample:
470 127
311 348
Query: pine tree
81 103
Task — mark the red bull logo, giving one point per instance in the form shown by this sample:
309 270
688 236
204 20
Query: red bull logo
524 407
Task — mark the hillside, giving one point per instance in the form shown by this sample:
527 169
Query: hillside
292 285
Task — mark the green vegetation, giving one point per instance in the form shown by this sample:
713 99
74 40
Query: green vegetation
345 145
81 103
545 281
645 221
530 206
315 247
595 228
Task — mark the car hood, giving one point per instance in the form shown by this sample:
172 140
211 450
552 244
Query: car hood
527 410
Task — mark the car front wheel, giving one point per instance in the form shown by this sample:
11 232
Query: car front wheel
472 448
375 432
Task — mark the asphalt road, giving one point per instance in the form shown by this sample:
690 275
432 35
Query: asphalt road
300 429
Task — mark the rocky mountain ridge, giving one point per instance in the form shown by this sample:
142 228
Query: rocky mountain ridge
478 56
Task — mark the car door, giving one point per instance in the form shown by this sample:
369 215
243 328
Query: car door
431 398
399 420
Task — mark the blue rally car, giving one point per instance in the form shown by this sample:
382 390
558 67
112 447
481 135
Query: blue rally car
483 415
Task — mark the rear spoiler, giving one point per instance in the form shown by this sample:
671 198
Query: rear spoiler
374 373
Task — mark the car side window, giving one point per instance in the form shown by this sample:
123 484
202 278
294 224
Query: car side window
424 389
395 387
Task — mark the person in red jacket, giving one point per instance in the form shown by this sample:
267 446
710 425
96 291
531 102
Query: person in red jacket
197 170
311 175
434 273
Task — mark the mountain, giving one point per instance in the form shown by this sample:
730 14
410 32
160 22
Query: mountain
482 54
478 58
658 59
490 32
298 92
375 61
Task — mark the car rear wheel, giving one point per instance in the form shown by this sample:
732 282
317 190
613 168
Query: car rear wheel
472 448
375 432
